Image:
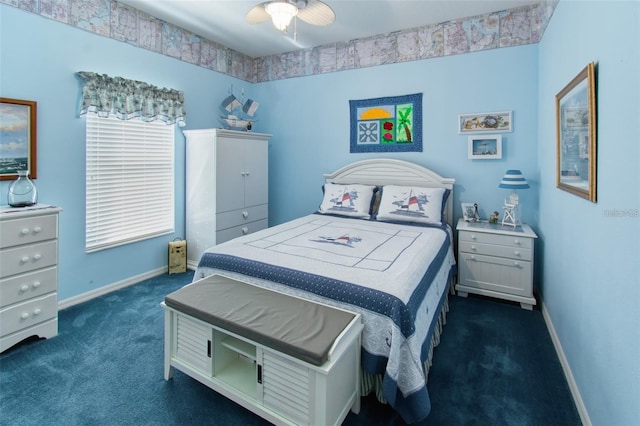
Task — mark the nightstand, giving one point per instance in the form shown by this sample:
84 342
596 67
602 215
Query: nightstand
496 260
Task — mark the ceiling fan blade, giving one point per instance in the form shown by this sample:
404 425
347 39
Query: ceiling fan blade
257 14
317 13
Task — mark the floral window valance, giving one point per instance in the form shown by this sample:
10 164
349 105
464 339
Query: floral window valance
127 99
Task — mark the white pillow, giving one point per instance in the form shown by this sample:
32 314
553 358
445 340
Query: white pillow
412 204
351 200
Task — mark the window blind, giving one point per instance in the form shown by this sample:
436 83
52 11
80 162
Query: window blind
129 181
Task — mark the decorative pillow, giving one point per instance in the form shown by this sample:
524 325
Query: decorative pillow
351 200
412 204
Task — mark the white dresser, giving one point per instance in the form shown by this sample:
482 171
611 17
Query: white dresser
496 261
28 273
227 185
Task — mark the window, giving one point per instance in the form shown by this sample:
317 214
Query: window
129 181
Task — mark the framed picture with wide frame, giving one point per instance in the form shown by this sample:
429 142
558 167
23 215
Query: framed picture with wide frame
390 124
576 135
485 147
18 144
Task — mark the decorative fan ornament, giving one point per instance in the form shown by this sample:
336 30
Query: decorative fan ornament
281 12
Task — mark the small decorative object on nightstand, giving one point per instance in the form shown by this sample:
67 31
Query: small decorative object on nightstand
496 261
513 180
494 217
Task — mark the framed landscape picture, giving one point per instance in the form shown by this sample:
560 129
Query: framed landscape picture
17 138
576 135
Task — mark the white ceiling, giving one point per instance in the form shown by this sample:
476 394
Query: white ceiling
223 21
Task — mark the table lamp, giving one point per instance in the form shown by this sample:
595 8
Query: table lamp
513 179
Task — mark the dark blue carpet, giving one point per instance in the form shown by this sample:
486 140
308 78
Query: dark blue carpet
495 365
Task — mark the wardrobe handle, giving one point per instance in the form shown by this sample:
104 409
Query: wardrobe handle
245 230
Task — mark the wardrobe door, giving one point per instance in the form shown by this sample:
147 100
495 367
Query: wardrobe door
256 173
230 174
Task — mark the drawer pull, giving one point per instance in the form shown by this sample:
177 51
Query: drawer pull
25 231
37 256
472 258
24 315
24 259
37 229
24 288
245 230
245 214
516 264
473 237
516 253
516 242
37 311
36 284
473 248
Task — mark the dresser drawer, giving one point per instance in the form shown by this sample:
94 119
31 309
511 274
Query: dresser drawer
239 231
28 230
496 250
29 313
25 286
242 216
23 259
503 240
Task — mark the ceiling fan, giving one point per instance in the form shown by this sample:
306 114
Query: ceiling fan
281 12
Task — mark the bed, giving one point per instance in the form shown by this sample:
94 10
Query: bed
380 244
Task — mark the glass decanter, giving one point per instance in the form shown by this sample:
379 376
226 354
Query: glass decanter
22 191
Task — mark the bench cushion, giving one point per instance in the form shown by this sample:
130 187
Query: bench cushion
302 329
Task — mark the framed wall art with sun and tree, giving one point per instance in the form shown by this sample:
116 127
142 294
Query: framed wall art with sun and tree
390 124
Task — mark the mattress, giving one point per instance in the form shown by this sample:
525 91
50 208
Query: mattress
394 275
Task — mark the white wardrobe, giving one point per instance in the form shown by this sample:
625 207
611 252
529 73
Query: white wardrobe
226 187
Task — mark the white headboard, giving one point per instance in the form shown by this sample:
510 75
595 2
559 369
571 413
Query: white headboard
386 171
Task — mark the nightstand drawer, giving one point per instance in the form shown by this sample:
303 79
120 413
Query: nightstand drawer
496 250
504 276
504 240
28 230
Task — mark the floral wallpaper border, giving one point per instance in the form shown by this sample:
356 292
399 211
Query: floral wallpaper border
109 18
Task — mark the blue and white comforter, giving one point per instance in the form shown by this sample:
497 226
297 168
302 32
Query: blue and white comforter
394 275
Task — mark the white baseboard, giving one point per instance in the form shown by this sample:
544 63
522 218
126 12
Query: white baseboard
573 386
84 297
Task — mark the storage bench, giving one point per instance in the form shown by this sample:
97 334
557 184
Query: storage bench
289 360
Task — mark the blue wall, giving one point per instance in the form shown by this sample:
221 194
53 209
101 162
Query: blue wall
41 67
309 118
591 284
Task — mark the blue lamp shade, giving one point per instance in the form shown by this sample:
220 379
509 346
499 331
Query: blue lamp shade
513 179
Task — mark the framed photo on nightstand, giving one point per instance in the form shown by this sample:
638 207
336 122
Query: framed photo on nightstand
470 212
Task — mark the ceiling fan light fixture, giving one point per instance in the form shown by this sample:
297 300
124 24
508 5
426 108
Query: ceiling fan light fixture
281 12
